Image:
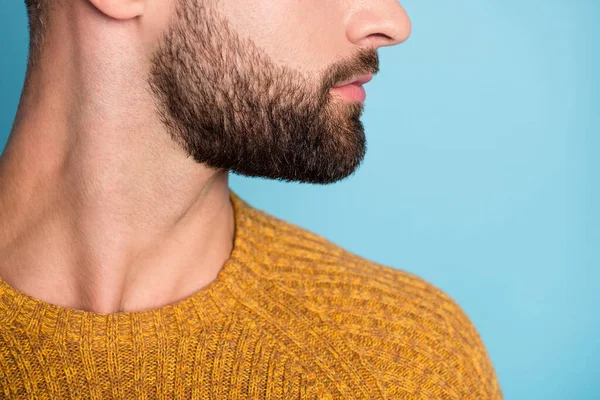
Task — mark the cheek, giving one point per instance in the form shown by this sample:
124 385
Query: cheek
159 15
306 35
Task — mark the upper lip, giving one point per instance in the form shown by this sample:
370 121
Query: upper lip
356 81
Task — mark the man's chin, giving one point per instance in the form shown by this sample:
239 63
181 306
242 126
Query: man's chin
322 172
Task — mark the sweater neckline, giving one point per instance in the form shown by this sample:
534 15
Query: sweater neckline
36 316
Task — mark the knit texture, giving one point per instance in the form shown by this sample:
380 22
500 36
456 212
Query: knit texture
290 316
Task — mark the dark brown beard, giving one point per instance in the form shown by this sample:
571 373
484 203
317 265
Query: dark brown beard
256 119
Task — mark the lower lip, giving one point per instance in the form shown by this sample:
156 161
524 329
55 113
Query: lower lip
351 92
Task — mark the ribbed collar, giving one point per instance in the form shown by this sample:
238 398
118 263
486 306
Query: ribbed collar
21 311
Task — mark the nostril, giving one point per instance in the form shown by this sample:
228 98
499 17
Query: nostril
379 40
382 35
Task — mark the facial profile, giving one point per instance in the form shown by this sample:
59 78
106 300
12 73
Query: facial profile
230 106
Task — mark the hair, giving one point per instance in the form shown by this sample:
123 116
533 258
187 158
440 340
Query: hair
37 11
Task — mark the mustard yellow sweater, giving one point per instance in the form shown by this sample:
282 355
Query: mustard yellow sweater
290 316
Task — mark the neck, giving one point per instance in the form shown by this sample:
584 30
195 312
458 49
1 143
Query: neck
99 209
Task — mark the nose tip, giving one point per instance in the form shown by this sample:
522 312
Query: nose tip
386 24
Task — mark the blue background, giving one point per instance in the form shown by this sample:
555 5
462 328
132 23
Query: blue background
480 176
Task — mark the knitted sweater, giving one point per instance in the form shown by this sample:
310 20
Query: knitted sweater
290 316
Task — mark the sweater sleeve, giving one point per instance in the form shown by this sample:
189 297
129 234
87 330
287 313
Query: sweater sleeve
417 340
473 375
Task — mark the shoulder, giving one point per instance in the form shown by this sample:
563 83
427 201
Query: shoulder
411 334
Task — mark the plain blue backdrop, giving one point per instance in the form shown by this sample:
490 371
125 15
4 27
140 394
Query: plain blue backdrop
480 176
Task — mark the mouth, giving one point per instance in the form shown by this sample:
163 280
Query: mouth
353 90
361 80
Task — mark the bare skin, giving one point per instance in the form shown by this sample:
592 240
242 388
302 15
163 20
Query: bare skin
100 208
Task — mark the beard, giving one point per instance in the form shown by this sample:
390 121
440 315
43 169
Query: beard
229 106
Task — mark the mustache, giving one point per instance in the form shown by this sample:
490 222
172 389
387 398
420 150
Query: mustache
364 61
